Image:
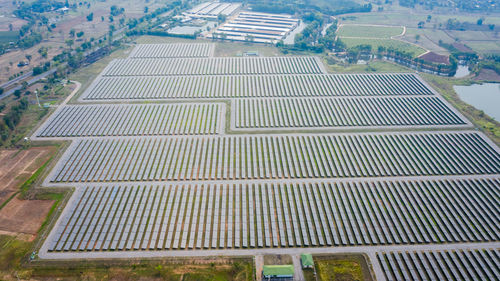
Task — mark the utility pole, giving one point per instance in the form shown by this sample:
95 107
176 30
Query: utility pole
36 94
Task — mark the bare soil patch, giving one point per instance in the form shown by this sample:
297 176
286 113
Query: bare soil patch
487 75
434 57
17 166
24 216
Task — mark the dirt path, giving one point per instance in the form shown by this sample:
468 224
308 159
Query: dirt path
297 267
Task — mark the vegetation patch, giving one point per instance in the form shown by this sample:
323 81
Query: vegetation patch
342 267
414 50
369 31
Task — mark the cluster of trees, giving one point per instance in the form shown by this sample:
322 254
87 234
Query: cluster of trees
41 68
454 24
116 11
33 10
12 118
464 5
312 37
331 7
489 62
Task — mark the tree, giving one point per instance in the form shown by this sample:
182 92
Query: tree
146 9
28 57
221 18
90 17
480 21
17 93
37 70
72 33
69 42
43 52
80 34
249 38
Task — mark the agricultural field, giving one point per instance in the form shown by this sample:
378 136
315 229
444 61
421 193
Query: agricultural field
16 166
412 49
369 31
195 216
177 152
442 265
252 86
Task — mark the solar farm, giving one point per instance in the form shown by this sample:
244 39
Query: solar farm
175 152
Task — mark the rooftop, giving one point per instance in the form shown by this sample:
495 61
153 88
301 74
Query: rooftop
278 270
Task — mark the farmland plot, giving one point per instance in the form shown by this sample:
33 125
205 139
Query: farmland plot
251 86
159 217
277 157
213 65
279 113
179 50
481 264
135 120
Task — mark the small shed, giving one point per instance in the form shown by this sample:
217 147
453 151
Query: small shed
307 261
278 272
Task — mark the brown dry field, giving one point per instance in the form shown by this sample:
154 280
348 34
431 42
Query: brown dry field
487 75
24 217
16 166
19 217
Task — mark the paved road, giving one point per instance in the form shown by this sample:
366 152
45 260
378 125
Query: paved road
15 80
259 264
30 82
297 267
369 250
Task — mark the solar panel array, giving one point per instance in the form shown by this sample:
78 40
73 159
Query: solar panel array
179 50
251 86
135 120
276 113
279 215
276 157
213 65
166 176
483 264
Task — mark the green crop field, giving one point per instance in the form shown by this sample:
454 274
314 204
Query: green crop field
369 31
8 36
388 43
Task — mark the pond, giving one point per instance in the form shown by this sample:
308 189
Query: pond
485 97
462 71
189 29
290 38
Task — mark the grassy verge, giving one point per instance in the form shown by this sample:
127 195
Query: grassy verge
387 43
346 267
445 86
372 66
241 269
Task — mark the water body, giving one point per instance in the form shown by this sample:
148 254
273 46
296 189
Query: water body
485 97
462 71
290 38
190 30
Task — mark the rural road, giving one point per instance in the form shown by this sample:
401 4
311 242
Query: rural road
297 267
371 251
30 82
